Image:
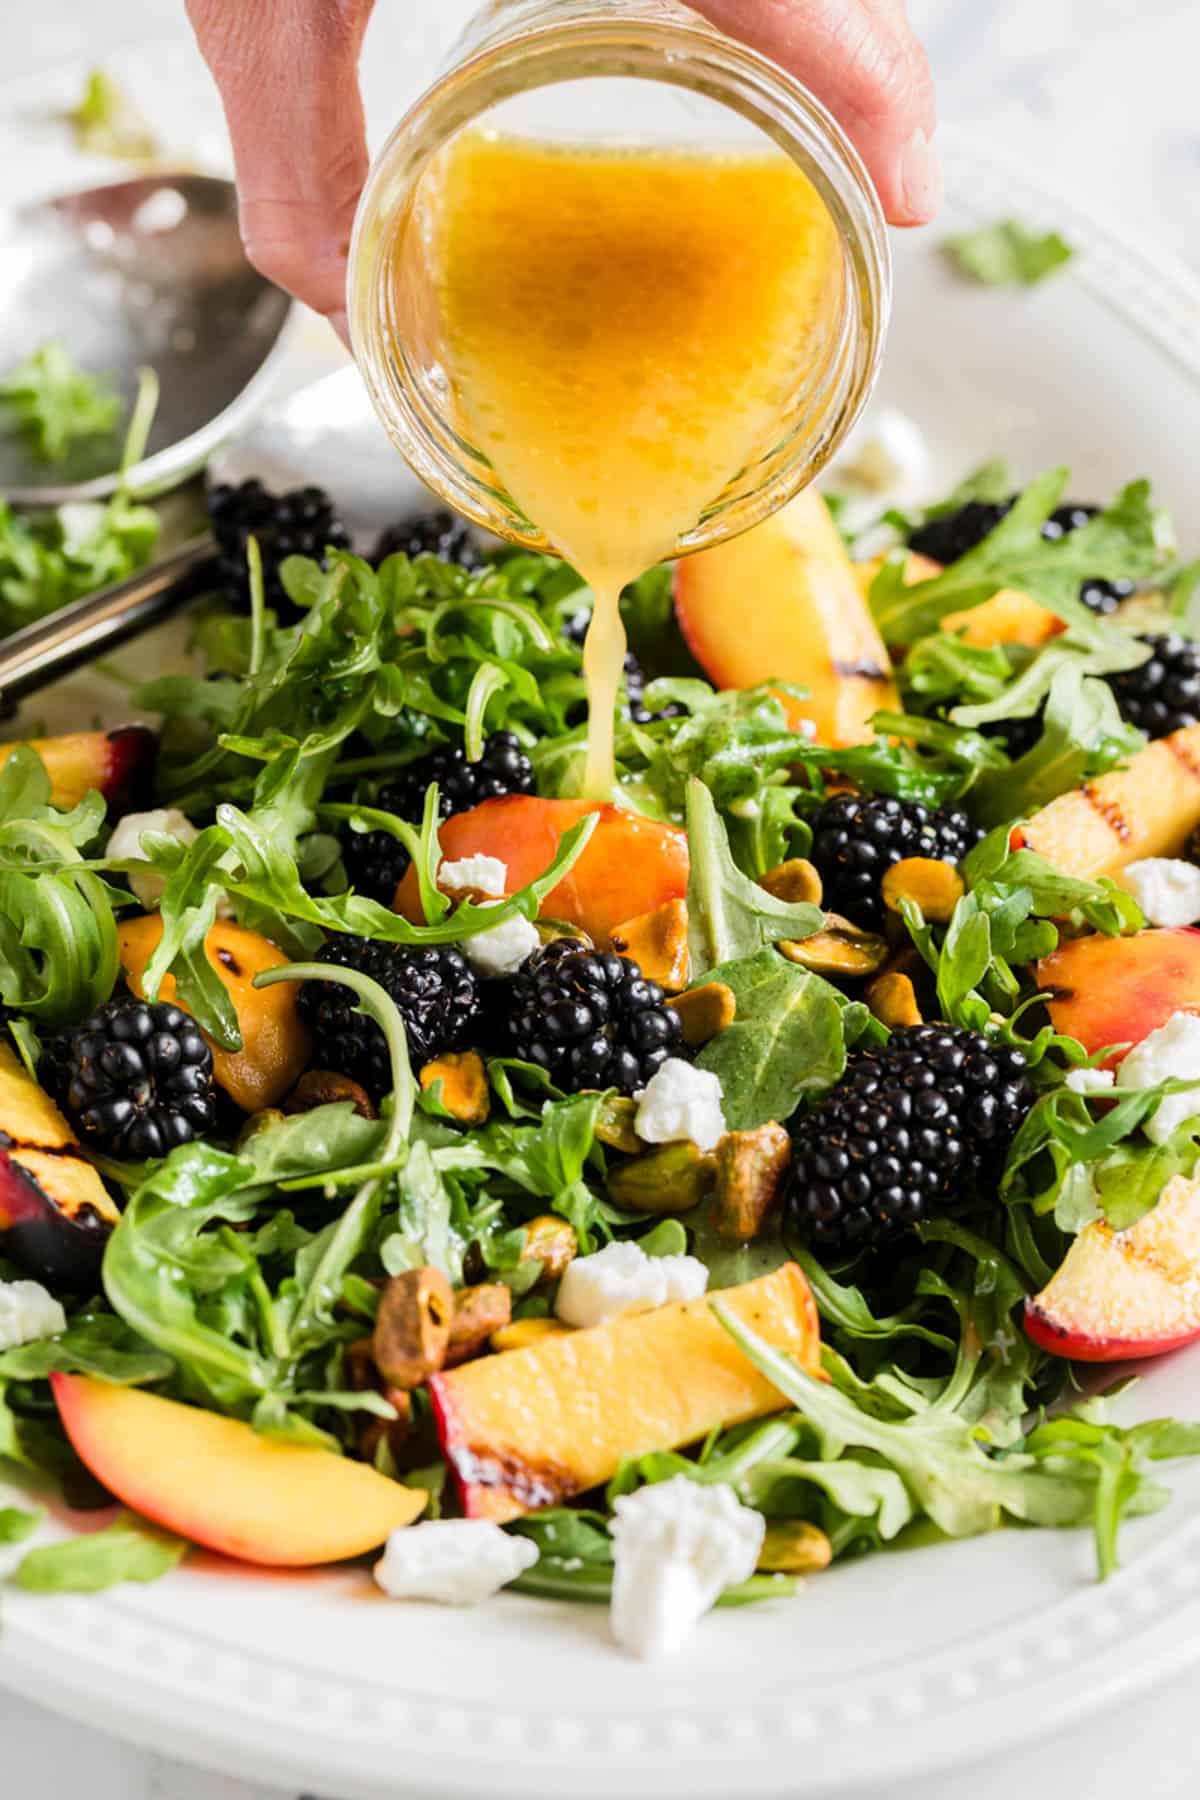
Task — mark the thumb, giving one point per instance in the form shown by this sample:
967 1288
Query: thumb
862 60
287 72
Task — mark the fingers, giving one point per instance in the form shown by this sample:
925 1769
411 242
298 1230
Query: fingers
287 71
861 59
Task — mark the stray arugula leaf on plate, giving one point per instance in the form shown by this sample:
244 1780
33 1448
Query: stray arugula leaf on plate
1008 254
53 404
130 1549
106 122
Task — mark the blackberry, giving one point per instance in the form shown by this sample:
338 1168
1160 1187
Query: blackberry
575 630
136 1079
1163 695
857 838
910 1130
438 534
433 987
951 535
590 1019
301 522
375 861
1017 735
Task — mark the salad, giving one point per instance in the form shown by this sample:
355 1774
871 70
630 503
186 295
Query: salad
649 1202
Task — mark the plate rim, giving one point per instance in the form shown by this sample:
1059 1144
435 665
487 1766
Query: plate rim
296 1726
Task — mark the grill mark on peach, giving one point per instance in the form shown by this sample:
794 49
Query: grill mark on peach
861 671
1108 810
530 1484
229 961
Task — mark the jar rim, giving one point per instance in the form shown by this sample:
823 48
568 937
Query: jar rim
590 44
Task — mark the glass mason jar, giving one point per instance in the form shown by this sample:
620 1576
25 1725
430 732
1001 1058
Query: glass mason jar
630 73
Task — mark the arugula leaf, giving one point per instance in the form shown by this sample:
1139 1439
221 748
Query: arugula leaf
730 916
130 1549
107 123
16 1524
1083 734
1008 254
53 404
1122 542
788 1038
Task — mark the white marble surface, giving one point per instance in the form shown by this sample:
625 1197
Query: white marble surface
1100 93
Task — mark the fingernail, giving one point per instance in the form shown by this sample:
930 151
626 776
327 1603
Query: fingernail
921 177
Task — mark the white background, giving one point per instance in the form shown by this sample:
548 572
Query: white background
1102 93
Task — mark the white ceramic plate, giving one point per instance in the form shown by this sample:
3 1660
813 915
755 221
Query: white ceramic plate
881 1669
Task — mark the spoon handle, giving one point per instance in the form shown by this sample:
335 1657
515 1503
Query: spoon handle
75 634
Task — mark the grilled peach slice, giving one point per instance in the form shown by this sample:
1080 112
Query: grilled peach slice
1148 808
1117 990
220 1483
1124 1294
1009 617
631 864
120 764
529 1428
55 1212
782 603
274 1052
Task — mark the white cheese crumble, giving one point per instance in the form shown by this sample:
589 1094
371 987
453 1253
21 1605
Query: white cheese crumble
620 1279
1170 1053
1166 888
503 949
680 1104
455 1562
1090 1081
886 452
676 1547
473 874
125 841
28 1312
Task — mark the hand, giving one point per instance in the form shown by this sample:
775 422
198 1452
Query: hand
287 71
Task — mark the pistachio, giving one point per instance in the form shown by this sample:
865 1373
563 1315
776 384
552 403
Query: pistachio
794 1547
795 881
464 1088
412 1327
478 1313
550 930
670 1179
523 1332
257 1123
321 1087
658 943
750 1168
935 885
893 1000
552 1242
614 1124
841 949
704 1011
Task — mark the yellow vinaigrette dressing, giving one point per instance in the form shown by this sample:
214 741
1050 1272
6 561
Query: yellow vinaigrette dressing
622 330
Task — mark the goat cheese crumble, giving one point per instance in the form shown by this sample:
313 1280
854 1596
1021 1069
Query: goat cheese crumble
676 1547
454 1562
621 1278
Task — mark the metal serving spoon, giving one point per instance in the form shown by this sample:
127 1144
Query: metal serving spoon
146 271
325 434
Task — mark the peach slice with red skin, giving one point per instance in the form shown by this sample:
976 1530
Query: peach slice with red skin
630 864
530 1428
220 1483
783 603
1117 990
118 763
1119 1295
55 1212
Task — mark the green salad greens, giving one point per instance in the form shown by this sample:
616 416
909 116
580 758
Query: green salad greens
388 1099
